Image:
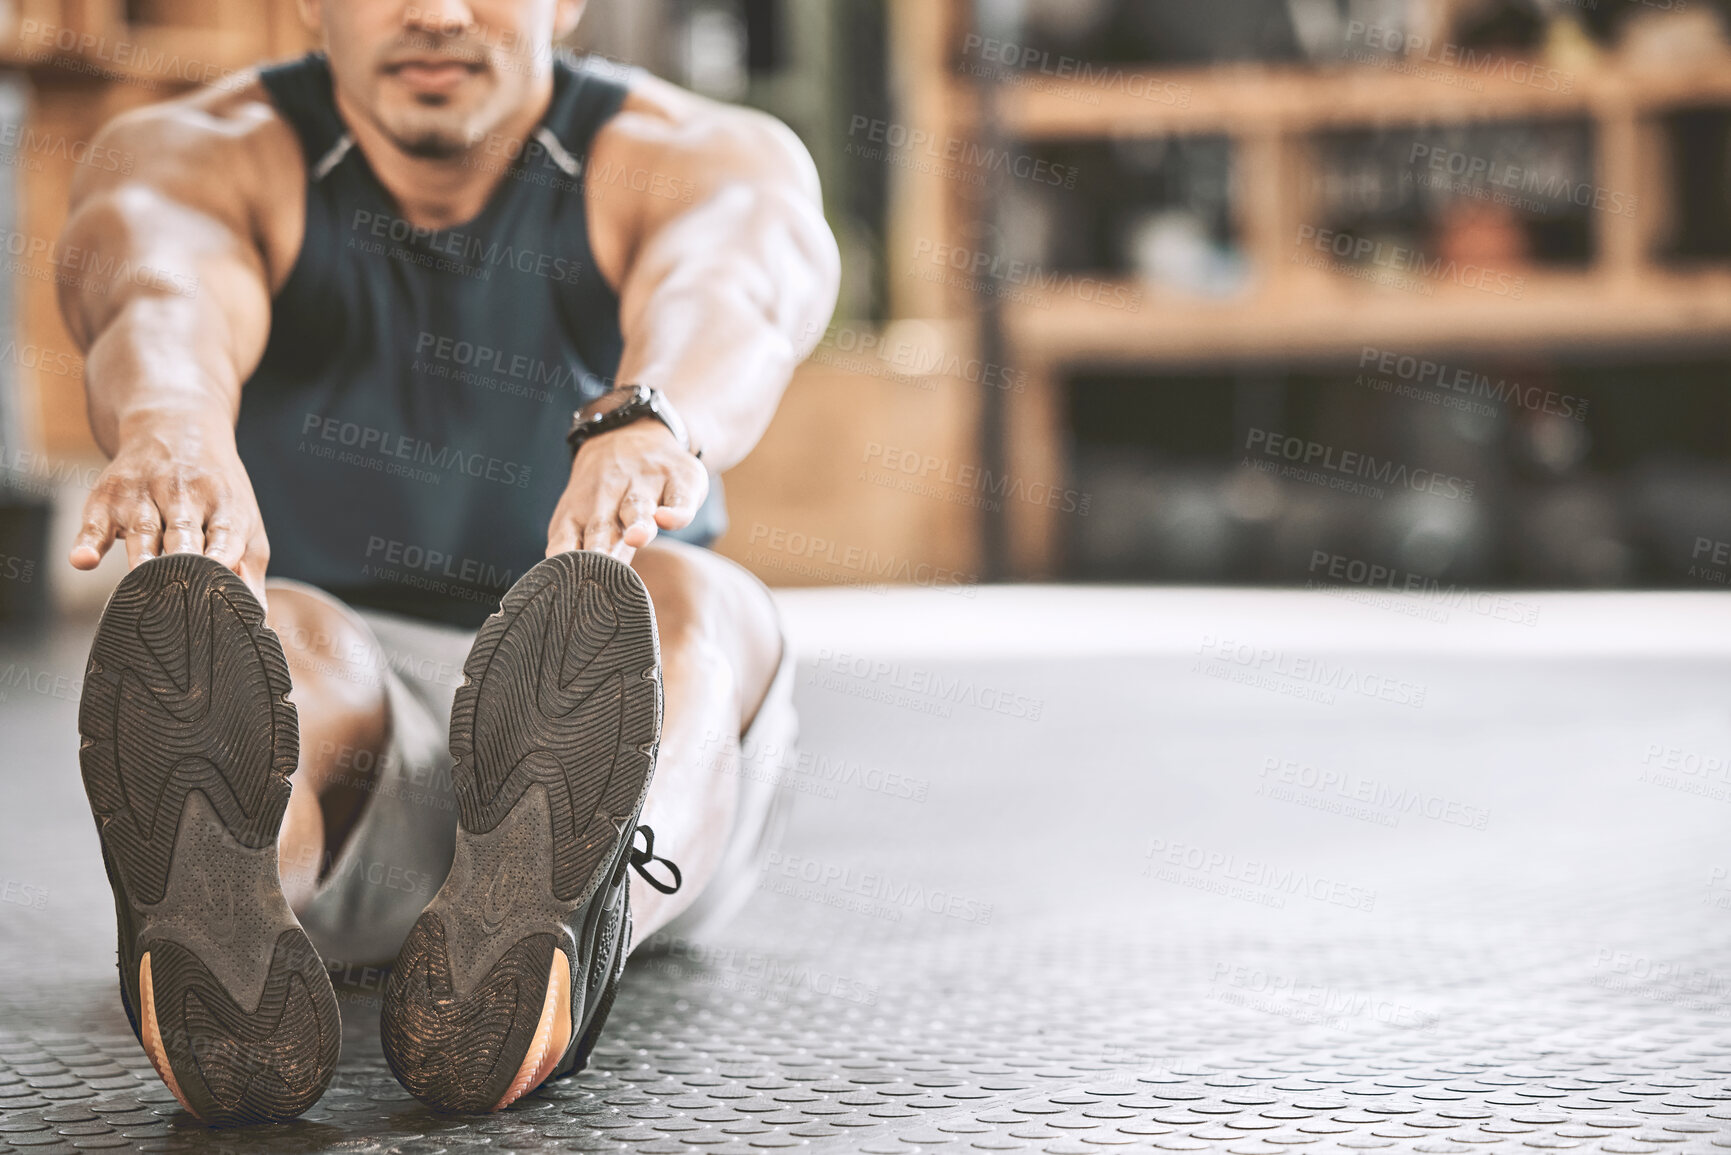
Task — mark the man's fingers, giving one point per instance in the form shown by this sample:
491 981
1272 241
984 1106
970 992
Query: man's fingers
681 497
142 526
565 532
600 521
224 540
637 517
601 534
95 535
182 528
183 503
138 551
252 564
639 535
562 534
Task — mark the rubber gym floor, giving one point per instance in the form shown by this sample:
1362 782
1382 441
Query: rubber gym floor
1086 871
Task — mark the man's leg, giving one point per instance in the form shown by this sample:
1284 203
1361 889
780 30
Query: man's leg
720 642
720 646
339 693
552 731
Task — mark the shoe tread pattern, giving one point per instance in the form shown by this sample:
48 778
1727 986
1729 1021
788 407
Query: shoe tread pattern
554 735
187 744
461 1053
186 690
239 1066
562 688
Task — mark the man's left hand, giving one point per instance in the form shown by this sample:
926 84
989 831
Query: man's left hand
627 485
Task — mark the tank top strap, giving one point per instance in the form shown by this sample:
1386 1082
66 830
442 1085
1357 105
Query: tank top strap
301 91
587 92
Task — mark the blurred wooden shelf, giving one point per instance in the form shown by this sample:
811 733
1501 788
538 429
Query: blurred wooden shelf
169 70
1240 100
1273 117
166 43
152 56
1324 316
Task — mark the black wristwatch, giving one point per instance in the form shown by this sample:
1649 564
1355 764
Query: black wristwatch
622 406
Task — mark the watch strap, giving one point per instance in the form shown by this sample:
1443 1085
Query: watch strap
639 402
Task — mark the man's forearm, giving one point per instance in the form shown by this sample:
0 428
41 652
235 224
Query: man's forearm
164 391
153 364
720 361
721 306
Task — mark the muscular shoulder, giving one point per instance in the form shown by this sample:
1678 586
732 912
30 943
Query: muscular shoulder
707 140
227 153
668 149
233 133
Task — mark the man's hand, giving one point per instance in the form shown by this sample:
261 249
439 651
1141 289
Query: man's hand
176 486
626 485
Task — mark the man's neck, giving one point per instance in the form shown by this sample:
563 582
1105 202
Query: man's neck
439 192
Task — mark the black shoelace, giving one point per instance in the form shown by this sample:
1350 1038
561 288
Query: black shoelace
642 859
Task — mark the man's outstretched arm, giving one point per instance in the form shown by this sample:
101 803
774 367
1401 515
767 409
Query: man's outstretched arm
727 276
169 342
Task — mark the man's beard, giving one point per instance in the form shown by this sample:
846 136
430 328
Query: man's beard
431 129
434 142
433 145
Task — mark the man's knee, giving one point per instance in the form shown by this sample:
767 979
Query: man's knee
698 595
331 654
674 574
709 608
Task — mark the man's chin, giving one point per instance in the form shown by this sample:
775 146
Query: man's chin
433 143
433 146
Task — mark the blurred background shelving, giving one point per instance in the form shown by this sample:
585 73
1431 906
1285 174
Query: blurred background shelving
1565 165
1198 144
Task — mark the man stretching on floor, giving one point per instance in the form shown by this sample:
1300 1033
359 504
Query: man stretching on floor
363 294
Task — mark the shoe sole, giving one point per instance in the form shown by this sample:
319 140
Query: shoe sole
187 744
554 734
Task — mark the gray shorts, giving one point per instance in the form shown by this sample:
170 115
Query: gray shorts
400 849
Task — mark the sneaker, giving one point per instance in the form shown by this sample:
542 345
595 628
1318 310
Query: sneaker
188 742
554 733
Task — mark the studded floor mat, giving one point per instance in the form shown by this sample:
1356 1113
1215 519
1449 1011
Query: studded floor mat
1071 906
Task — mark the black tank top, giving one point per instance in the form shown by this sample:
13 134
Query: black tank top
405 431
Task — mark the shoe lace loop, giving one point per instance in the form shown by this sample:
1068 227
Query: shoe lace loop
641 859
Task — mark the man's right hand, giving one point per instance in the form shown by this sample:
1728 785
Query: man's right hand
176 486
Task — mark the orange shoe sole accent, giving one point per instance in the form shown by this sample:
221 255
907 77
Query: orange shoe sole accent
153 1034
552 1034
